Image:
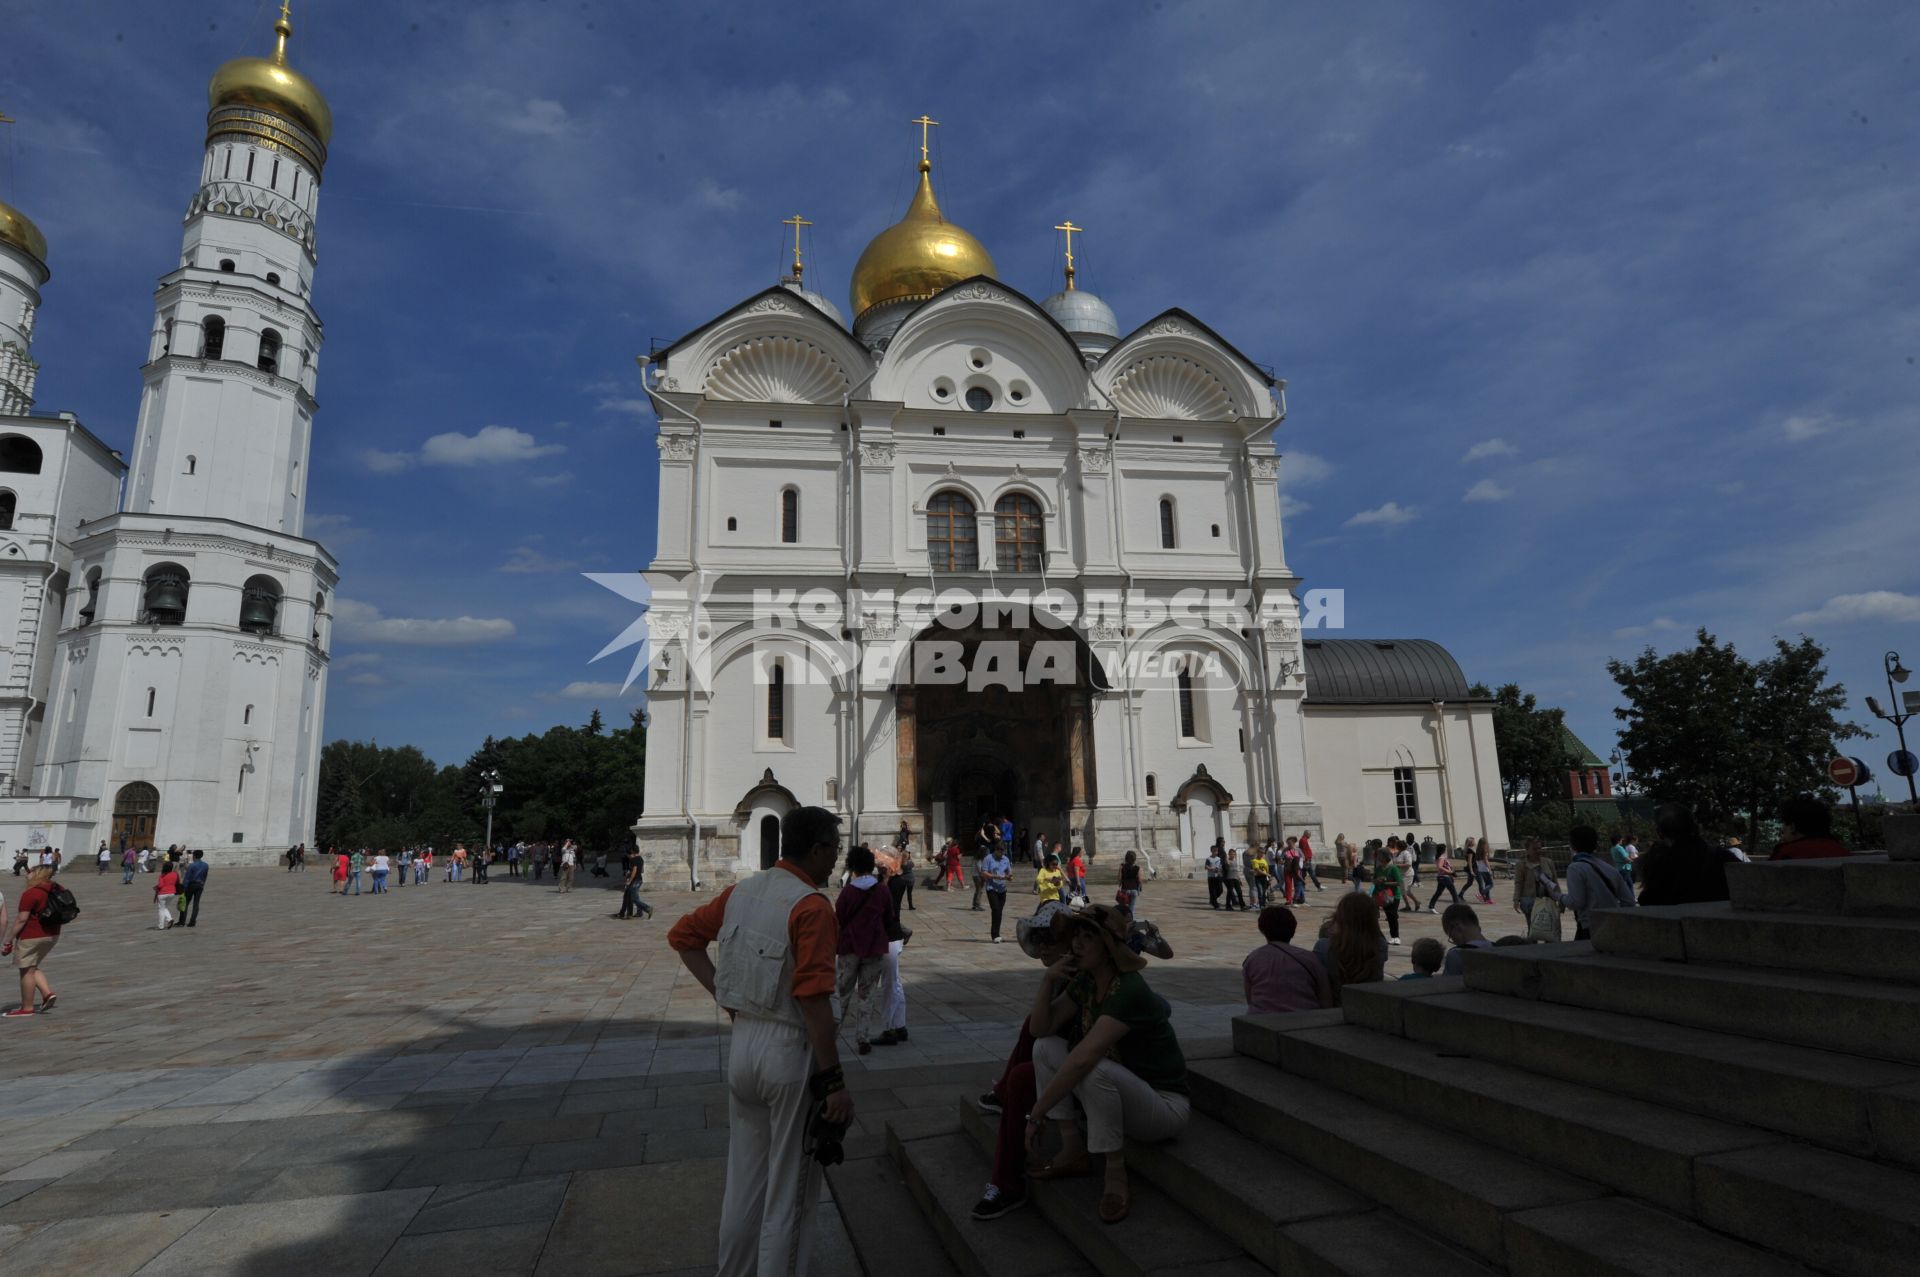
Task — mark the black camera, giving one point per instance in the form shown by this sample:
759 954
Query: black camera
825 1138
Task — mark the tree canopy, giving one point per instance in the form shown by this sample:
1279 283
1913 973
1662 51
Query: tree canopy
1727 736
585 783
1530 742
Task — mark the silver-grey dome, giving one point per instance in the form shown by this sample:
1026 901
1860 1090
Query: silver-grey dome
1083 315
819 301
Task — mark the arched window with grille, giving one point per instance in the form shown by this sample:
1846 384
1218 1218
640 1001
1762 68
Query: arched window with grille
1188 727
213 337
953 535
8 503
790 516
269 351
1018 533
776 701
1166 523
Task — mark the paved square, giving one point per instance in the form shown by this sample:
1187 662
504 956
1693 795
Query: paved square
457 1078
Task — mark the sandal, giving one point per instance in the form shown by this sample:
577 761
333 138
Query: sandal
1113 1208
1082 1165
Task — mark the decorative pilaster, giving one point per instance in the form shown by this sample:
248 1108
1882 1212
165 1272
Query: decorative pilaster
905 756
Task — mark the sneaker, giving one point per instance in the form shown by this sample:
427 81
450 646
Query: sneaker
1393 939
996 939
988 1103
18 1011
995 1204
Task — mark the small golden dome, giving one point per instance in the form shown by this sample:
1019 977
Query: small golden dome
917 256
17 229
271 85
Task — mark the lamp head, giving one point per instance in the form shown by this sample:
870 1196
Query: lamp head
1873 706
1895 670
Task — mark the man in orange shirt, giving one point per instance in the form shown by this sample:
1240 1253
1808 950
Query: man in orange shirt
784 1059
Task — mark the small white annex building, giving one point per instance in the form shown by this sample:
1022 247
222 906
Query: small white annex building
832 498
167 620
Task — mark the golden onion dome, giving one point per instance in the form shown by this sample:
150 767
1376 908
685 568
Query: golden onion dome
17 229
917 256
271 85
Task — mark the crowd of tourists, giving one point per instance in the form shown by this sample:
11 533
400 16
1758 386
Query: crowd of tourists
378 871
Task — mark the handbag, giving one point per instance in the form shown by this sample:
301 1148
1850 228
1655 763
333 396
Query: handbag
1543 924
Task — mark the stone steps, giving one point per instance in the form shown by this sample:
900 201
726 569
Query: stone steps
1858 886
1158 1237
1859 1017
945 1174
1291 1219
1859 947
1843 1102
1452 1187
883 1221
1619 1237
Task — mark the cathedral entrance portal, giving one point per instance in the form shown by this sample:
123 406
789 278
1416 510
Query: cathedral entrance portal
136 810
1024 753
769 840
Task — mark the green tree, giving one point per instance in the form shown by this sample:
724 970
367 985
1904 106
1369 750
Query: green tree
1530 743
1727 736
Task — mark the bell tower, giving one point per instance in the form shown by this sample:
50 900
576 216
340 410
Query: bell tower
226 415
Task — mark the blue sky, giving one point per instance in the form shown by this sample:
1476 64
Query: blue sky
1599 322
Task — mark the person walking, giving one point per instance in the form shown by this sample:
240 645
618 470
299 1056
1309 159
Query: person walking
997 871
129 865
405 867
1130 881
1230 875
953 875
861 910
1077 873
908 872
36 929
1389 885
1483 870
1307 866
142 858
338 884
1344 857
631 905
166 889
482 856
1534 882
1049 881
513 859
193 882
356 865
423 866
1592 883
1407 856
1216 868
1443 881
103 858
382 866
569 860
785 1063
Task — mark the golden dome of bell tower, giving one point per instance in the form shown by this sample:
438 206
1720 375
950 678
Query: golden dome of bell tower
252 96
920 254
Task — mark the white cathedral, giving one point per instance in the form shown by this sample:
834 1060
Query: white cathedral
962 440
166 624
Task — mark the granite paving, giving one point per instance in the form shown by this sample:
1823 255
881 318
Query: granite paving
460 1078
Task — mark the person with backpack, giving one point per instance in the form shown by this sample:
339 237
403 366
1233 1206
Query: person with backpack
44 907
1592 883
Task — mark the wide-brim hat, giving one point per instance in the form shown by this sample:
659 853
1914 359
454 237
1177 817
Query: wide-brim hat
1111 925
1030 933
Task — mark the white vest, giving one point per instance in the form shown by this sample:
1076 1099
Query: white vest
754 973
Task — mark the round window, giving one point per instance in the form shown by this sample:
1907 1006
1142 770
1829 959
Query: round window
979 398
978 358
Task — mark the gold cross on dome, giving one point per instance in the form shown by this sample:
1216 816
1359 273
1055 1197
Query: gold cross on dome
925 124
796 221
1071 231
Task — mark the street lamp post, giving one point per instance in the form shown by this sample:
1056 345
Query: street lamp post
1625 800
1896 714
490 790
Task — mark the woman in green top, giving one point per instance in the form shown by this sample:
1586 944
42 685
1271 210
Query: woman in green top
1127 1071
1389 881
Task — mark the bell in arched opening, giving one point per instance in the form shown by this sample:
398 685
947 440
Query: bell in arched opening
259 607
166 596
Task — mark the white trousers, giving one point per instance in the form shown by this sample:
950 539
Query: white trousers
766 1221
166 911
1119 1105
893 998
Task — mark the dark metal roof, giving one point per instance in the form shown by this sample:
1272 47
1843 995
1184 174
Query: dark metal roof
1381 672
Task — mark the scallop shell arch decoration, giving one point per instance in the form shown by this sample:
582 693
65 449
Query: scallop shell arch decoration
1171 387
777 370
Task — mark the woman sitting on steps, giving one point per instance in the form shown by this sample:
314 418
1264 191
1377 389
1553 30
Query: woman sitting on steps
1127 1071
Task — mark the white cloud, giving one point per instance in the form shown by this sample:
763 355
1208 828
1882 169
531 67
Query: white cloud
334 529
367 678
1658 625
638 407
1489 448
1800 429
551 480
490 445
1291 505
1391 515
364 623
1487 490
524 558
1870 605
583 691
1298 469
539 117
352 659
386 462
